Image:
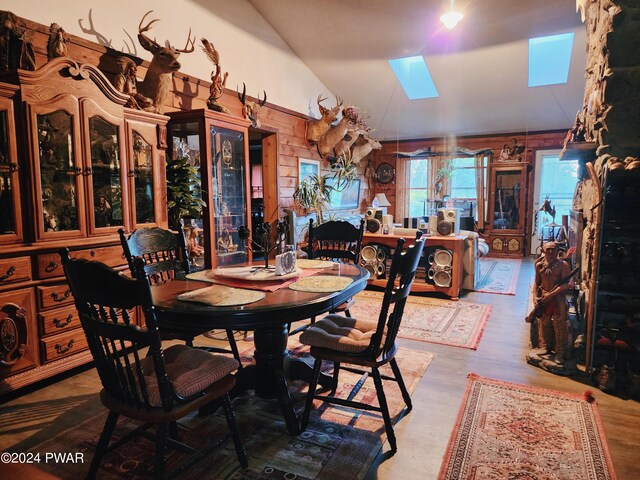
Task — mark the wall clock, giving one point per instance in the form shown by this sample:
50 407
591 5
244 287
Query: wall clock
385 173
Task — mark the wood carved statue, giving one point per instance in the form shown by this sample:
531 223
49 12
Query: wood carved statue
250 109
316 128
16 49
337 132
58 44
157 82
126 82
218 80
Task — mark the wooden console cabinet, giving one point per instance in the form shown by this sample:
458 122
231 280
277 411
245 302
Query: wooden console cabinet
75 165
454 244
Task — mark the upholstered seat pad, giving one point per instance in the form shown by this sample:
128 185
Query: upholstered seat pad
190 369
343 334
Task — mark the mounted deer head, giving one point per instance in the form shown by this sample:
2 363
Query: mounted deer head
250 109
353 132
157 81
337 132
316 128
363 147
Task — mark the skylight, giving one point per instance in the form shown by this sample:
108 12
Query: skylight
414 76
549 59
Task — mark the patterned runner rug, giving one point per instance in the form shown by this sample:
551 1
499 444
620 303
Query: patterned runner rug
505 430
339 443
498 275
431 320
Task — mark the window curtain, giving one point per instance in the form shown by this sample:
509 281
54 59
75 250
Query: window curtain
403 184
479 163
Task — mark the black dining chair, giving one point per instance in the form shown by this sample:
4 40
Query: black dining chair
157 389
337 241
165 257
365 343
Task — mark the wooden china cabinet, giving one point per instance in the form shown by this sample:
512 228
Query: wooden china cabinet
507 209
75 165
217 145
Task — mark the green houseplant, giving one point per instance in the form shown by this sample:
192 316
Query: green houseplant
184 198
313 192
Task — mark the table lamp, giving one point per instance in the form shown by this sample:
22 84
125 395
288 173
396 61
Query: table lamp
382 202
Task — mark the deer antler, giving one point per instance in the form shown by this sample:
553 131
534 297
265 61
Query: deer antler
191 41
147 27
242 97
320 107
264 100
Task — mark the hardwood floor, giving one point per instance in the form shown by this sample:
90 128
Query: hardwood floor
422 435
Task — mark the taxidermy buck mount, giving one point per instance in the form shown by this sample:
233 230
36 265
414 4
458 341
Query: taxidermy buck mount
250 109
337 132
157 81
316 128
363 147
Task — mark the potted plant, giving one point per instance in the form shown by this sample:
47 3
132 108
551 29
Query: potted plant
184 198
313 192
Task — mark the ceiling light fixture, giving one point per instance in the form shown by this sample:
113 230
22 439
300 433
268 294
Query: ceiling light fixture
451 18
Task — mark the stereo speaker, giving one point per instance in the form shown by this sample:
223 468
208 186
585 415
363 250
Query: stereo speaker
374 213
374 259
440 267
433 224
448 221
374 225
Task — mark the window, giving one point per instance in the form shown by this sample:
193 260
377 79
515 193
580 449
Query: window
463 182
420 189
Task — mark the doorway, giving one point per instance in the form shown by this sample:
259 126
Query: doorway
263 159
555 184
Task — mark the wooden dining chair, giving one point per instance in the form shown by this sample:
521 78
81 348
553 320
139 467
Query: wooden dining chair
337 241
157 389
365 344
165 257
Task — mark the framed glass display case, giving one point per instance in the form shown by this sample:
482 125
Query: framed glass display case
216 145
507 209
10 211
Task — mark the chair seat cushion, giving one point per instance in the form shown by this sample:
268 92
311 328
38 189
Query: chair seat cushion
343 334
190 369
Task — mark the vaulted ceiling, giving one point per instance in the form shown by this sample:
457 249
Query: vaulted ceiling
480 68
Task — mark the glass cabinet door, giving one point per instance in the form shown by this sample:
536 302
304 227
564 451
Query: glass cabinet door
60 174
142 173
229 195
10 215
185 150
106 174
507 214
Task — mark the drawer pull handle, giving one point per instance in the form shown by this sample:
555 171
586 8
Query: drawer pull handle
60 349
9 273
63 323
51 267
92 253
58 298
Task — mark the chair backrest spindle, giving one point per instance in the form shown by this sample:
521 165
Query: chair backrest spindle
335 240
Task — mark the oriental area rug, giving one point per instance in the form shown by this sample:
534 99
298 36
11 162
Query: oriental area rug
498 275
339 443
510 431
433 320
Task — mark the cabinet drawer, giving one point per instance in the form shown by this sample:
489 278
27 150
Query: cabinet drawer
58 320
62 345
54 296
50 265
13 270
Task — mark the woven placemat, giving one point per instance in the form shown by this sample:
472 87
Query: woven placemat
222 296
321 284
307 263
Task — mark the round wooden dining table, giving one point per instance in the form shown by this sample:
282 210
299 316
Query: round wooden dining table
269 319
